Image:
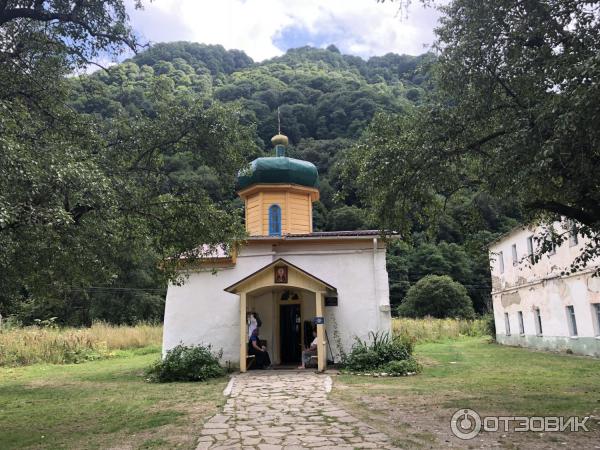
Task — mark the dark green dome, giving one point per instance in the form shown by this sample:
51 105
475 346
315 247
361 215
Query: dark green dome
278 169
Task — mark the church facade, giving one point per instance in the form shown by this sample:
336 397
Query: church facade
293 279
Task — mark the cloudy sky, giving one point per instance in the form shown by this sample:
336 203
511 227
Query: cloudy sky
267 28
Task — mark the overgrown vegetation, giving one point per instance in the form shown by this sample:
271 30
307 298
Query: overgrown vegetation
436 330
382 353
53 345
187 363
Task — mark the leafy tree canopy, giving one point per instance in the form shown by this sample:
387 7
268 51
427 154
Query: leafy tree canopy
91 201
514 113
437 296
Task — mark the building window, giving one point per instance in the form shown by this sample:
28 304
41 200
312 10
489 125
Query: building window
571 320
530 249
538 322
274 220
507 324
573 239
514 255
596 307
521 324
501 262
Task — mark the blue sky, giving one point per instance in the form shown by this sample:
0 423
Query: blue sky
267 28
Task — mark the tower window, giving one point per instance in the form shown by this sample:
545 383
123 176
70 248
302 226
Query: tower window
274 220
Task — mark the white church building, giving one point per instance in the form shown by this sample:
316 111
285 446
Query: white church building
293 278
541 304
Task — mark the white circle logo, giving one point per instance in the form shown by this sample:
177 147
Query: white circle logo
465 424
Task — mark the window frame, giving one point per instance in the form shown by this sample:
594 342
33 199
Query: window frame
515 255
506 324
596 310
501 260
521 322
275 220
573 235
530 249
571 320
539 331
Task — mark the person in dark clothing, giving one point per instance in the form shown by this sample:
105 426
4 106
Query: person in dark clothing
259 351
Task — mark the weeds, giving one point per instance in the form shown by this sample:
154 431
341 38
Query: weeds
435 330
21 346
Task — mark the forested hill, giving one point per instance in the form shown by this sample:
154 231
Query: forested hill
326 100
322 94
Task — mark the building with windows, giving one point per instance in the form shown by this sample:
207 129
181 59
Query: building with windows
292 278
541 304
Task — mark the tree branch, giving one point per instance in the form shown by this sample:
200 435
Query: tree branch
584 217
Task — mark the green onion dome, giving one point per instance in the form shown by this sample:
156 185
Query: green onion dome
278 169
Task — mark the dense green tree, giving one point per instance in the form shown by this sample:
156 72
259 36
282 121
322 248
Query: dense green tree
437 296
515 112
87 199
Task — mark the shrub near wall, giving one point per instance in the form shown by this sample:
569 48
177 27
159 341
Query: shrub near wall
183 363
382 353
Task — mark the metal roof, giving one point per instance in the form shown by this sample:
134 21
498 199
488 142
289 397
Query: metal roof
356 234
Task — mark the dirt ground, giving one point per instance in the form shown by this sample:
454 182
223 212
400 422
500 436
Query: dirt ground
422 422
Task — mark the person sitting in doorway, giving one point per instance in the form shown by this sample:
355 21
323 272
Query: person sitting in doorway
309 352
263 361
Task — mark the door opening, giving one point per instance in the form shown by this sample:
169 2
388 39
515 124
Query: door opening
290 326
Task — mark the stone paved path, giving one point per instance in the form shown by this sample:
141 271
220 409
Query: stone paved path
286 410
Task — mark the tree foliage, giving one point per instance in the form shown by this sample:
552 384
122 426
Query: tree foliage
104 176
514 114
437 296
88 202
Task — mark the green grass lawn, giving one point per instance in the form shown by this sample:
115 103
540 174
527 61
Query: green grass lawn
489 378
101 404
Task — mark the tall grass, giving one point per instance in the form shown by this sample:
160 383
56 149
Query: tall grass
30 345
432 330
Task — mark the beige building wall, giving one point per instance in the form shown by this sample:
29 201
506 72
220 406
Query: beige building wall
295 203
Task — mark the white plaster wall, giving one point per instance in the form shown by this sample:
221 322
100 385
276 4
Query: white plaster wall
525 286
524 271
200 312
551 297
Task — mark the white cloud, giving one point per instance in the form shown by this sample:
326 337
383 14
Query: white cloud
361 27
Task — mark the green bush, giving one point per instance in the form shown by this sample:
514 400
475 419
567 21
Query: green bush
437 296
182 363
376 353
401 368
